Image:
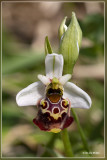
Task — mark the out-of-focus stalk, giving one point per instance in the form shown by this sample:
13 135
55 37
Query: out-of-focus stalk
66 142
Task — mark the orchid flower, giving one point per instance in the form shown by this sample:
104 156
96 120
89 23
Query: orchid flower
54 96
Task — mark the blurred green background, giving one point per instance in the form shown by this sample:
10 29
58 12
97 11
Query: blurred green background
24 27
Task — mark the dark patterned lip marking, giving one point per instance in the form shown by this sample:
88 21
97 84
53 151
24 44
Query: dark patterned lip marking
53 117
46 123
44 104
55 110
54 95
64 103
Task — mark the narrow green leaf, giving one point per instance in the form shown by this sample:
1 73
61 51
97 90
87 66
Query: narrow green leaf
21 62
48 49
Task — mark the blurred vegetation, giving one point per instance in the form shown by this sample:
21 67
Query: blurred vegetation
20 67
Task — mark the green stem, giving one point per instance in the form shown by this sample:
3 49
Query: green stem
66 142
81 131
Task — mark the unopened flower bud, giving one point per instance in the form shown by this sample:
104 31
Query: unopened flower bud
62 28
70 43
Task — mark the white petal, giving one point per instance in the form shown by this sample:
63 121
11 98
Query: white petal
45 80
31 94
77 97
65 78
54 65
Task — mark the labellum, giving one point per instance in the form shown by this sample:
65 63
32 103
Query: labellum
53 111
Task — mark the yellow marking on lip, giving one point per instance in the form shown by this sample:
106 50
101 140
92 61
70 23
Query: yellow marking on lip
45 110
43 102
55 130
65 102
55 116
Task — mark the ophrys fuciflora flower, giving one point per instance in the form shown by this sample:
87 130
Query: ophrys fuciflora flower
54 96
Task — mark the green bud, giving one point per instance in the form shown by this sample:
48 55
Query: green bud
62 28
70 43
48 49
